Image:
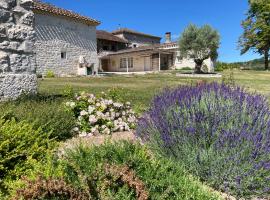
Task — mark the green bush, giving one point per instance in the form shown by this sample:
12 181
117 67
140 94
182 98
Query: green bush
219 67
45 112
124 171
50 74
186 68
21 145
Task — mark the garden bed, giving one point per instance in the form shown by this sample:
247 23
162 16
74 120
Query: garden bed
193 75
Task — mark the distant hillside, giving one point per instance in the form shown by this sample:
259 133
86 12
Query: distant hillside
256 63
252 64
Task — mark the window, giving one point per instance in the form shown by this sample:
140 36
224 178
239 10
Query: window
63 55
126 61
130 62
123 63
113 48
105 48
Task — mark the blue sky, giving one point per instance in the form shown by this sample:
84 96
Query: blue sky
160 16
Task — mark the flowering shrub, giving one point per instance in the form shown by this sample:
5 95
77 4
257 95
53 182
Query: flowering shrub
219 133
101 116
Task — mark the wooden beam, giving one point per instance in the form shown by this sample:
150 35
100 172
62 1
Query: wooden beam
159 62
127 64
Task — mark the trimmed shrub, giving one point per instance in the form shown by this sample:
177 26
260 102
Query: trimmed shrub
219 133
186 68
101 116
50 74
20 146
124 171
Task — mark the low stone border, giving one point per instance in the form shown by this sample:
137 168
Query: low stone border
95 140
199 75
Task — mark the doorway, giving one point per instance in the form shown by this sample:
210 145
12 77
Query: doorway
105 65
147 64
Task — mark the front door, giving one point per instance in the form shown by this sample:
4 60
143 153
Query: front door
147 64
105 65
89 71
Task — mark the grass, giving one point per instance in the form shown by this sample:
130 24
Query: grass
139 90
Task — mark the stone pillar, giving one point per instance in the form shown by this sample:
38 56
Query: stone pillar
17 59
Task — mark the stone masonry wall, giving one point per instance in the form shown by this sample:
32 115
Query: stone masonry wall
17 37
56 34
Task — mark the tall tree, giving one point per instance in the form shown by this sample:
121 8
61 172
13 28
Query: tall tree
256 26
199 44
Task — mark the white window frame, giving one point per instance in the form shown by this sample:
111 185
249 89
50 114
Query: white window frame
130 62
123 63
126 62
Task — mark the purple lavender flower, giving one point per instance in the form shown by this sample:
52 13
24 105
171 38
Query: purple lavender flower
219 133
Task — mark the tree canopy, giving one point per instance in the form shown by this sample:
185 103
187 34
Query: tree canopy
256 26
199 43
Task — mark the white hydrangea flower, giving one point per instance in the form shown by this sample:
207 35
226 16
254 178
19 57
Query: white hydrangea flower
98 104
120 120
83 113
92 119
110 102
103 127
99 114
76 129
83 134
106 131
71 104
91 109
131 119
117 105
95 130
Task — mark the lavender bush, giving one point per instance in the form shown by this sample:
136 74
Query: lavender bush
219 133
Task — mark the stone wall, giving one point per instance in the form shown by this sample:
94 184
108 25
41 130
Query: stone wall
17 37
56 34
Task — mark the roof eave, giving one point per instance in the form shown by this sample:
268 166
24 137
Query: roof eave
142 34
46 12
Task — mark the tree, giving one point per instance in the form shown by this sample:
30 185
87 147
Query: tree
199 44
256 26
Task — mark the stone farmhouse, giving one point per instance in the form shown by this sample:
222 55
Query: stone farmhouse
66 42
143 53
69 44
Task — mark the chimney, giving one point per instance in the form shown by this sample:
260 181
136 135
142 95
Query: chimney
168 37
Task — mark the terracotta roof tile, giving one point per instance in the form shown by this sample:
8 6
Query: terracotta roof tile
41 7
126 30
104 35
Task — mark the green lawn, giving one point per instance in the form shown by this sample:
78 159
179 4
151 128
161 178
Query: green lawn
140 89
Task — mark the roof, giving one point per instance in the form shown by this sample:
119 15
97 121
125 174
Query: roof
126 30
41 7
137 49
156 48
104 35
